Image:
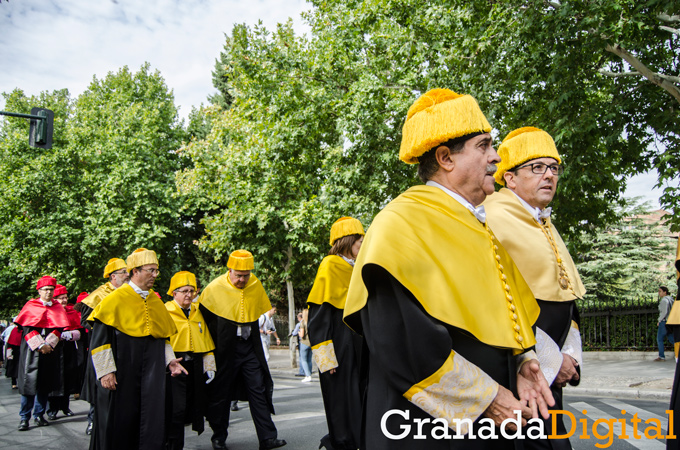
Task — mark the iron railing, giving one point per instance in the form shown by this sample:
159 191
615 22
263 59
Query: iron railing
621 325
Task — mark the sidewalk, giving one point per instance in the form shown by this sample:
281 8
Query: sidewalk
626 375
632 375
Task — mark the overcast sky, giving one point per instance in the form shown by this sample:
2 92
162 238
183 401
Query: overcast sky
55 44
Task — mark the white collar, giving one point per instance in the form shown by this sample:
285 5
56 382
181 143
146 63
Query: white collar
349 261
536 213
138 290
478 211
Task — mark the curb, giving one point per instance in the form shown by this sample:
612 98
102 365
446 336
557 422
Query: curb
631 394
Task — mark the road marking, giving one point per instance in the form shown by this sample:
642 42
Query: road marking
297 416
631 409
595 414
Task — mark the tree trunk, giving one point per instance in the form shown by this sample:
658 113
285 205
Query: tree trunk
291 308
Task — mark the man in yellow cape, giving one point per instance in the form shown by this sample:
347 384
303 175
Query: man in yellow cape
519 216
335 347
116 271
445 313
130 350
194 345
231 305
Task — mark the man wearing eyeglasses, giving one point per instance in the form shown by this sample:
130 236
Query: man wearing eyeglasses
520 217
130 350
41 321
116 271
232 304
446 317
194 345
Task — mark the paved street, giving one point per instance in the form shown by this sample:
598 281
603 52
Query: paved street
610 409
300 420
631 382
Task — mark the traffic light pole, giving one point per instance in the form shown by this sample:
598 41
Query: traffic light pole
42 121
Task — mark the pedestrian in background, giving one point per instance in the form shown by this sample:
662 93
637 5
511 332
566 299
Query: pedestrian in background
665 305
305 348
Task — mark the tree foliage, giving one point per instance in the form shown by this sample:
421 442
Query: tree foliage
629 259
105 188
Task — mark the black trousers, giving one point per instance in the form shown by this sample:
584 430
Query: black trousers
246 367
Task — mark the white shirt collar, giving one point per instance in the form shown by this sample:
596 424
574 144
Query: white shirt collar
536 213
138 290
478 211
349 261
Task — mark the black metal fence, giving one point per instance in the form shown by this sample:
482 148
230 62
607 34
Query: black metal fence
623 325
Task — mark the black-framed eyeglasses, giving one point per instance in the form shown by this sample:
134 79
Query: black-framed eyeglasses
186 291
541 168
119 272
48 289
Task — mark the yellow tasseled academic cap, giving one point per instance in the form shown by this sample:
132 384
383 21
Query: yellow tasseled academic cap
241 260
345 226
113 265
522 145
140 257
181 279
436 117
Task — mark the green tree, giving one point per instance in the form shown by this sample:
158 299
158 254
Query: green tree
105 188
630 259
540 63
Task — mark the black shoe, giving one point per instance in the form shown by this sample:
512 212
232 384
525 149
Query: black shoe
299 374
41 422
268 444
234 407
67 412
219 445
326 443
23 425
51 416
88 430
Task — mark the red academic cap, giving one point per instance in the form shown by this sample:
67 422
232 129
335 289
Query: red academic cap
46 281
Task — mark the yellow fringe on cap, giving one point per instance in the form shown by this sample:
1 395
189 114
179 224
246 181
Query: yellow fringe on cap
141 257
181 279
437 116
113 265
522 145
345 226
241 260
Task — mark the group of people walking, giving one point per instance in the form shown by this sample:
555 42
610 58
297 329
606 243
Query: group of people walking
452 315
458 311
151 367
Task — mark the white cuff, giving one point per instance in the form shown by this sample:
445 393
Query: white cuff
324 356
572 345
459 392
169 353
103 361
209 362
549 355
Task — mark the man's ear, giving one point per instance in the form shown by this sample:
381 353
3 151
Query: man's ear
444 158
509 178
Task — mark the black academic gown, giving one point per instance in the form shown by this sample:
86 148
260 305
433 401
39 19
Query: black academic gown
132 416
406 345
87 392
12 365
555 320
39 373
186 397
233 381
341 391
674 444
